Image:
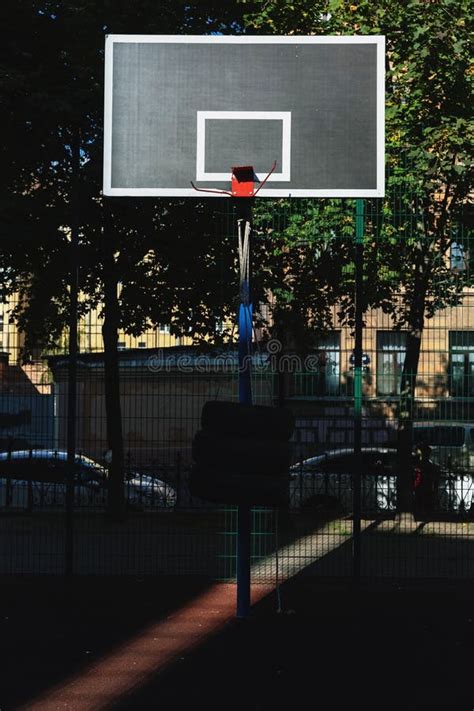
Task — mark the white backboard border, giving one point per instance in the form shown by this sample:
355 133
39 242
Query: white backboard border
378 40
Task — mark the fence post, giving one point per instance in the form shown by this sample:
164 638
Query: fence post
8 485
359 310
72 360
178 479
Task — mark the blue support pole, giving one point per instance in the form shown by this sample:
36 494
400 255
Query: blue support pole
244 512
245 352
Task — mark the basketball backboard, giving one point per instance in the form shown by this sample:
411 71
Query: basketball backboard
189 108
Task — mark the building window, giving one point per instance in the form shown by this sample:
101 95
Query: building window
457 257
391 349
141 344
164 328
461 359
321 373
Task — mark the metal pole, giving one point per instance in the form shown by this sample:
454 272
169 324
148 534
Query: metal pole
359 310
72 360
244 523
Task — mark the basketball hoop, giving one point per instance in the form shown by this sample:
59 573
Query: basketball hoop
242 182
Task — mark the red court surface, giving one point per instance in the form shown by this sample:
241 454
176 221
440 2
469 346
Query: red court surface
86 644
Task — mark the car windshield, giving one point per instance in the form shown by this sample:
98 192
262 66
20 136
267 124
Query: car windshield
49 465
440 436
373 462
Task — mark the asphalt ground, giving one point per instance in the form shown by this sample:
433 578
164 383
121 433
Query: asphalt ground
174 643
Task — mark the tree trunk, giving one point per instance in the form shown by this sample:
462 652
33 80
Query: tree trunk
407 400
281 393
113 410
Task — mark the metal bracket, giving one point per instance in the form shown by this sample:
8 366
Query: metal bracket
238 186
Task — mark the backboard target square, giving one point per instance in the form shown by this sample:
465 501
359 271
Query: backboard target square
229 138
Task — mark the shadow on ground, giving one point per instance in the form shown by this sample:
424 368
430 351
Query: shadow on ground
381 648
320 644
51 629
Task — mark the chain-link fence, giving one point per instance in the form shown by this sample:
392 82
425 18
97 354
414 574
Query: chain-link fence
303 359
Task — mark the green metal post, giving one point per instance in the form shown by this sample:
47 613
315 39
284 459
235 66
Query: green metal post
359 311
72 359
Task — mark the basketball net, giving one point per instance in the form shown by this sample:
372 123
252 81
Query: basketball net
244 260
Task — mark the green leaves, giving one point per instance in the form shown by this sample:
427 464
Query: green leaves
175 258
429 160
51 80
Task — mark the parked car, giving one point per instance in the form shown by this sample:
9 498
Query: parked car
451 444
328 478
146 490
37 478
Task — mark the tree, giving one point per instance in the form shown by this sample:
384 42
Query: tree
302 259
52 80
429 154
